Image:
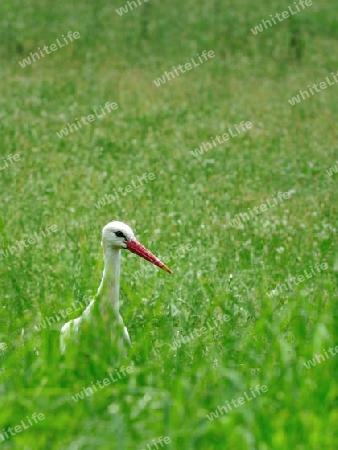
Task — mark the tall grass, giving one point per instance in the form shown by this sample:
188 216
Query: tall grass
228 271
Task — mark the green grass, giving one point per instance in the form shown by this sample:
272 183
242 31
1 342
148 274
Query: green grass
191 201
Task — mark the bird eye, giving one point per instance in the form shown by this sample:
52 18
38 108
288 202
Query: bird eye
120 234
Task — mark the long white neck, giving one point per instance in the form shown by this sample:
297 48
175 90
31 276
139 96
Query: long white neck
110 284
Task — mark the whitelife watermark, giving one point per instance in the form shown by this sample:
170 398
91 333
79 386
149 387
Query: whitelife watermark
6 434
331 170
11 159
124 9
221 139
53 47
196 333
316 359
284 15
55 318
109 198
238 402
119 373
149 270
91 117
296 280
168 76
161 441
322 85
36 237
236 223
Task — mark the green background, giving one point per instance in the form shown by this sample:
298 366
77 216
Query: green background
191 201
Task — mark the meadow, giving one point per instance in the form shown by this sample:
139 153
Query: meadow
238 348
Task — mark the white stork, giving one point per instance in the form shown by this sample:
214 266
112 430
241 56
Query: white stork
115 236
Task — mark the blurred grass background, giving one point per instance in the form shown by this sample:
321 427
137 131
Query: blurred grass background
58 181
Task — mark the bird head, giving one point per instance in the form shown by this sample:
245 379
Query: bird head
118 235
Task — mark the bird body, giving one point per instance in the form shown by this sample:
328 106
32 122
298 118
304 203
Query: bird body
115 237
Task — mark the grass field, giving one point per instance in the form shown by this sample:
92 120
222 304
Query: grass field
221 349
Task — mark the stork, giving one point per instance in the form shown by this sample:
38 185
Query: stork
116 236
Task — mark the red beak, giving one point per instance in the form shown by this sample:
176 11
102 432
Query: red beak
135 247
